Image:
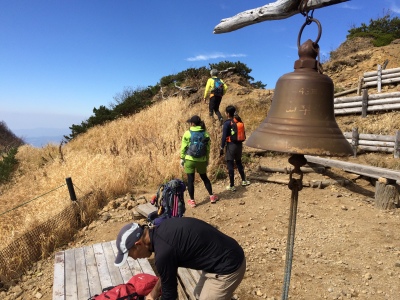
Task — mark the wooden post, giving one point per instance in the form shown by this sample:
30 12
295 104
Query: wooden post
364 105
385 64
354 140
360 84
397 144
71 189
379 79
386 195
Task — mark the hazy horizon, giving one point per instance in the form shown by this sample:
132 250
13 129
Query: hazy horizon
39 137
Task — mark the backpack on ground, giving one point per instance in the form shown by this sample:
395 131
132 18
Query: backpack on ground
218 87
238 133
169 201
198 144
136 288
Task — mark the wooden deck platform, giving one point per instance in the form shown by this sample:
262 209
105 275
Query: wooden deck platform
80 273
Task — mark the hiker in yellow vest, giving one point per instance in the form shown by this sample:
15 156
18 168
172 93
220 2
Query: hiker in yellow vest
215 94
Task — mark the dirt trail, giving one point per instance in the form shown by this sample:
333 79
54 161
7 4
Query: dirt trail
344 246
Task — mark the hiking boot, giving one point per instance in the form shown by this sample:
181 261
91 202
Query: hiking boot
231 188
191 203
214 199
245 182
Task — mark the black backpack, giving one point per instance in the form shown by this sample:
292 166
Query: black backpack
198 144
170 201
218 87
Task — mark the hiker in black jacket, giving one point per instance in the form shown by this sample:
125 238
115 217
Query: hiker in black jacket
188 243
234 150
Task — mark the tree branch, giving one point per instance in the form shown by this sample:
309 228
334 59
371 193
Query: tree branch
281 9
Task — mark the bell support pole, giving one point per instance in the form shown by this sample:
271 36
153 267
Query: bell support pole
301 120
295 185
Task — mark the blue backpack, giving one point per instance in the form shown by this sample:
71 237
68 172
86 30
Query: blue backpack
198 144
218 87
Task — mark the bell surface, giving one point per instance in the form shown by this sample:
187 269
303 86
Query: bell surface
301 119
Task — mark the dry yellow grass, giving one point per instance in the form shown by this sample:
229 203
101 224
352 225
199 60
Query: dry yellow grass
127 155
138 153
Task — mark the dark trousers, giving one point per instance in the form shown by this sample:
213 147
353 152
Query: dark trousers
215 102
234 154
206 181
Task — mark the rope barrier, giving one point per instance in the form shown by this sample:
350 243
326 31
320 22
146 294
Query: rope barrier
77 187
7 211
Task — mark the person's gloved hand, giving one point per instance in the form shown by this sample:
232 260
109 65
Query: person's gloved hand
182 162
221 152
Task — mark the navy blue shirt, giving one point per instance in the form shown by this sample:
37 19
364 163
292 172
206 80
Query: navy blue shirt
226 131
191 243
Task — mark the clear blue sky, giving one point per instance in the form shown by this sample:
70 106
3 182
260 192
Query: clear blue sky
60 59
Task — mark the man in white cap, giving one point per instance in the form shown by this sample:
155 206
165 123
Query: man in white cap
188 243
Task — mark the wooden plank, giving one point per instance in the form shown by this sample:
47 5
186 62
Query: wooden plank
71 289
387 71
188 282
371 137
145 266
134 265
105 277
81 274
181 292
195 274
125 270
145 209
116 277
92 272
368 171
59 275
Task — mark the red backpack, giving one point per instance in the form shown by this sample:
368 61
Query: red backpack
136 288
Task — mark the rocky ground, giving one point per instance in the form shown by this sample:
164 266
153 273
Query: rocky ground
344 246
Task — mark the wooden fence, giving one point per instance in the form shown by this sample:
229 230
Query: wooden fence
374 142
366 103
386 187
374 78
380 77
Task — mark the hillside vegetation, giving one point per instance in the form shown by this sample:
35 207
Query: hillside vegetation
142 150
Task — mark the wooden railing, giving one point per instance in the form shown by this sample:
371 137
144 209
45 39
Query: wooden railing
374 142
374 78
366 103
380 77
386 187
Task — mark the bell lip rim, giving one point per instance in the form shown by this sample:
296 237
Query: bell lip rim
312 153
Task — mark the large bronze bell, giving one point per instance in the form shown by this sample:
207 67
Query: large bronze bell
301 119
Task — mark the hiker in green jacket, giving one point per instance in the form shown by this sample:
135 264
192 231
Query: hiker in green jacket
215 94
194 158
